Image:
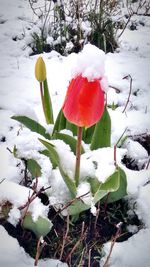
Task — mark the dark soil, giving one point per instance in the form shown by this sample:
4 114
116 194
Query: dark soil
131 163
144 140
96 232
3 139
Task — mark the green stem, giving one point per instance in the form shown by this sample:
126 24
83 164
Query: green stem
78 155
42 96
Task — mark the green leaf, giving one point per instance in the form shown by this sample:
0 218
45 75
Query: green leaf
122 190
52 152
94 183
60 123
51 158
15 151
88 134
54 155
69 140
72 127
111 184
34 126
102 133
34 168
77 207
69 182
48 110
40 227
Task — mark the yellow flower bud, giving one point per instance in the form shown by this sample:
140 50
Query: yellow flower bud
40 70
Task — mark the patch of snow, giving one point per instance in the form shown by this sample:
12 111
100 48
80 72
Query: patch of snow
84 189
143 204
90 63
131 253
8 168
18 195
11 254
104 159
135 179
135 150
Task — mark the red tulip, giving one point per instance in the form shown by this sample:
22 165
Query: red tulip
84 102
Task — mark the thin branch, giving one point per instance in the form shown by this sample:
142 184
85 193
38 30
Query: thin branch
115 88
121 136
89 258
35 194
40 245
115 159
126 77
70 203
117 235
2 180
82 236
125 26
147 165
65 238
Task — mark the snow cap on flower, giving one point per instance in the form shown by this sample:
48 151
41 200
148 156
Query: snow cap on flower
40 70
90 63
84 102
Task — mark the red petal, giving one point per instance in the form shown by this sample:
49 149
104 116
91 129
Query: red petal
84 102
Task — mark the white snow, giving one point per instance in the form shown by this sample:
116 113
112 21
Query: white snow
143 204
11 254
18 195
131 253
90 63
20 95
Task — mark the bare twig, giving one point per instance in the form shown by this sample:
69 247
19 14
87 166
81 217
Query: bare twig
81 259
89 258
115 88
33 9
2 180
147 165
121 136
71 202
65 238
115 158
40 245
117 235
82 236
125 26
130 90
34 194
9 150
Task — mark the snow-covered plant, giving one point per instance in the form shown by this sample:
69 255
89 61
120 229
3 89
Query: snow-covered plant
85 113
67 25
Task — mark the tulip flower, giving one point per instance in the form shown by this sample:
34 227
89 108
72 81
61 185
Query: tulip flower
40 70
83 106
40 74
84 102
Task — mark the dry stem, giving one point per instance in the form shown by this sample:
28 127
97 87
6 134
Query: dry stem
117 235
40 245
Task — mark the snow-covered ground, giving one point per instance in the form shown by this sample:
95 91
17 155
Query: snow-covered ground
19 94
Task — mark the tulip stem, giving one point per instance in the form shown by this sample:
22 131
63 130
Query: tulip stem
42 96
78 155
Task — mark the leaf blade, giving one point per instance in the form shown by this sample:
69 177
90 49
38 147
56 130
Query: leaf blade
68 181
102 132
48 110
31 124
